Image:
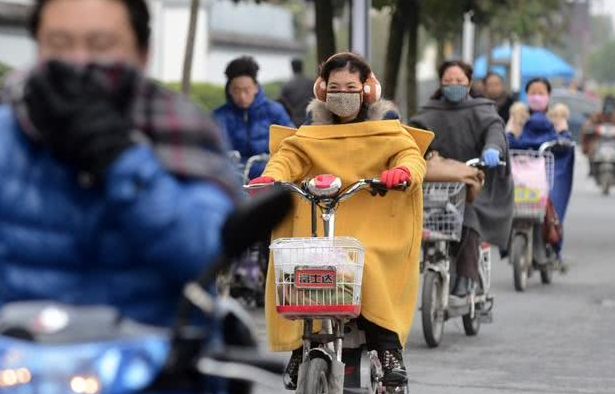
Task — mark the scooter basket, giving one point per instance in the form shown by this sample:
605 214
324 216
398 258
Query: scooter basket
443 209
533 173
318 277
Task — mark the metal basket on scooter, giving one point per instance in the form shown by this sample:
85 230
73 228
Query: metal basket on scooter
443 209
530 199
318 277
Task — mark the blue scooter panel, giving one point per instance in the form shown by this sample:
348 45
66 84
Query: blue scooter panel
121 366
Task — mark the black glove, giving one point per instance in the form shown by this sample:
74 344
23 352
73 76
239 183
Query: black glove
82 113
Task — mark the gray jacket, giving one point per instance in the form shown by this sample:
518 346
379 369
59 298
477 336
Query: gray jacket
462 132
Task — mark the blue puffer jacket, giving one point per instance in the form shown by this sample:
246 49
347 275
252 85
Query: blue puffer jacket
130 243
248 129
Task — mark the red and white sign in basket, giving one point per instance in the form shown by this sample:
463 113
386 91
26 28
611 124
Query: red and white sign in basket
318 277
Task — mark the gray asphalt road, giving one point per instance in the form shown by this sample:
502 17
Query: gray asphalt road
558 338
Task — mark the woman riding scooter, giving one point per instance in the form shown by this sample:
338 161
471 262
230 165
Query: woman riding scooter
544 125
354 135
466 128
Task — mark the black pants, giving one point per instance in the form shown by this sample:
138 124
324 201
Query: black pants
466 254
376 337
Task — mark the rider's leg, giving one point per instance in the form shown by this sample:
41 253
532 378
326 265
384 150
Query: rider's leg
291 373
386 343
467 261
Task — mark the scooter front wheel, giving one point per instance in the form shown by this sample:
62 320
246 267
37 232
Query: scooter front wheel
471 325
317 381
518 259
432 311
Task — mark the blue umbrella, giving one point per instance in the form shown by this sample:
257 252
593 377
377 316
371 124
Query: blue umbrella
535 62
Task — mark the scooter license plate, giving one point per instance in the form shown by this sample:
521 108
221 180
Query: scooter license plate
315 277
524 195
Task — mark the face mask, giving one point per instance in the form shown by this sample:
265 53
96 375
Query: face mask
454 93
343 104
538 102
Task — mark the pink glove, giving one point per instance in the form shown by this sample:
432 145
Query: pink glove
395 176
259 180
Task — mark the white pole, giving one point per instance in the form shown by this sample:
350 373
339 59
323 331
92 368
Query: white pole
468 38
515 66
360 27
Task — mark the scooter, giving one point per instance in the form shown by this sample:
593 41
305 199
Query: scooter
328 290
528 251
52 348
603 161
245 278
443 210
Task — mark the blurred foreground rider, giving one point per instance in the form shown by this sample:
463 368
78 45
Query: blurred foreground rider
113 189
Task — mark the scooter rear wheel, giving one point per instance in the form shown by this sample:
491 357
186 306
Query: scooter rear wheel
432 311
317 381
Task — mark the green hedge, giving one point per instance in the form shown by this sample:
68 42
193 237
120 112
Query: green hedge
4 70
210 96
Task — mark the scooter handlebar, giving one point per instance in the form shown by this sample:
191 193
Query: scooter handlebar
561 142
479 163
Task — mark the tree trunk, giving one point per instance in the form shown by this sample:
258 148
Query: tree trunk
190 39
440 45
394 50
490 43
325 36
412 58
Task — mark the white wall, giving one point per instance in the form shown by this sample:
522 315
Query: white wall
17 49
170 20
263 20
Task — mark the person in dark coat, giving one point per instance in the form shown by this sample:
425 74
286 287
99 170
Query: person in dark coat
248 113
466 128
494 90
297 93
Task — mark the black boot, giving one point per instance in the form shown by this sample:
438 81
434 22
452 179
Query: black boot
291 373
393 368
461 287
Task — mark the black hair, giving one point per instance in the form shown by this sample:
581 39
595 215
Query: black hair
532 81
492 74
297 65
346 60
244 66
467 70
137 11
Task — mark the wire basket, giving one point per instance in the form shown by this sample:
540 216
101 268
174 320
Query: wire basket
318 277
531 201
443 209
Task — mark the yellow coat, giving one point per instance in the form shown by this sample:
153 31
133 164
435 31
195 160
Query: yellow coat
389 227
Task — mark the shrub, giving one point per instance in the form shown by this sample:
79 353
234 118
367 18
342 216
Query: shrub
210 96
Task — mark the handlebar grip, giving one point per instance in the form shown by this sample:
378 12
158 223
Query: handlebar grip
377 184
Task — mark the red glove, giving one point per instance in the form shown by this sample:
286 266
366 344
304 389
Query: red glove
259 180
395 176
